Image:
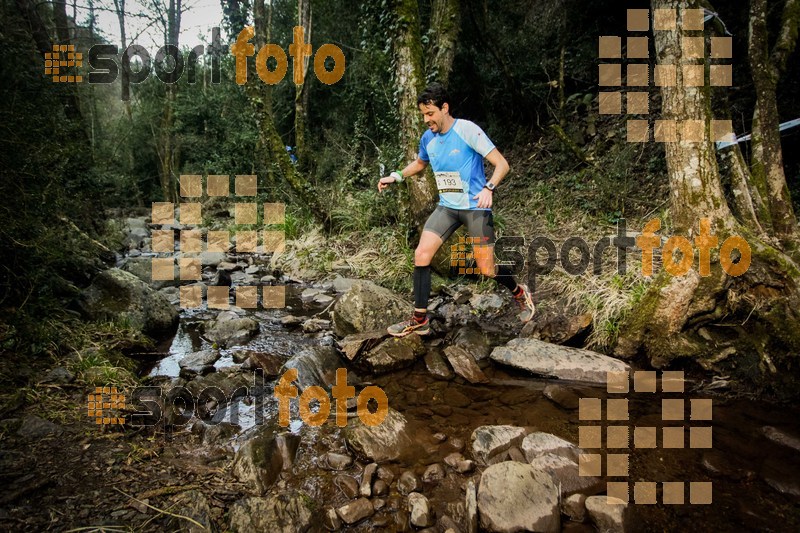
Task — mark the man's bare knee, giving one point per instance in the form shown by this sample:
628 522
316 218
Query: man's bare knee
422 257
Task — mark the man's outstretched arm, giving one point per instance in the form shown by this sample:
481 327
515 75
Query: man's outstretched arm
413 168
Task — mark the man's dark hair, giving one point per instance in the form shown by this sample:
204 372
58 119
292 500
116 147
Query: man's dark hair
434 94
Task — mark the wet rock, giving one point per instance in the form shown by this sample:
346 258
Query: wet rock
212 259
331 520
355 511
378 504
337 461
448 524
233 383
218 433
230 330
270 364
59 375
323 299
193 504
464 364
516 497
287 443
461 295
565 473
457 462
343 284
421 514
540 443
561 396
439 437
308 294
366 307
385 442
227 266
33 427
172 294
392 354
488 441
315 365
291 320
198 363
471 504
353 345
408 482
283 512
436 365
142 268
433 473
561 362
258 462
380 488
782 437
385 474
486 302
313 325
557 329
116 295
457 444
366 480
607 514
473 341
348 485
574 507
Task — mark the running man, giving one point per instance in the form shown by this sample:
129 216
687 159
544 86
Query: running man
456 149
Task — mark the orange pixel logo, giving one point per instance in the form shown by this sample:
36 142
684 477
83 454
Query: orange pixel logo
194 242
690 71
620 436
461 258
63 55
102 402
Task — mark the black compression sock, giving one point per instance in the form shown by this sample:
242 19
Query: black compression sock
505 278
422 286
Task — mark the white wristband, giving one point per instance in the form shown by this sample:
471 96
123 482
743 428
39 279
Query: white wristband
397 176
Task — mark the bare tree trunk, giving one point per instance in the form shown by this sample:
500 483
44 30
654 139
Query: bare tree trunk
302 90
166 149
260 98
410 80
767 165
725 322
445 22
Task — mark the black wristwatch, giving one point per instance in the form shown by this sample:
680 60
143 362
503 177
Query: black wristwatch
489 185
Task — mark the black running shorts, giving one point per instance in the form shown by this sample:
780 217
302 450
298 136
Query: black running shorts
444 221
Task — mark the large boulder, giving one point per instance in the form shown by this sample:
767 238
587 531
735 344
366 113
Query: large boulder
316 366
230 330
366 307
201 362
142 268
514 496
489 441
120 296
385 442
280 512
556 361
540 443
566 476
392 354
261 459
608 514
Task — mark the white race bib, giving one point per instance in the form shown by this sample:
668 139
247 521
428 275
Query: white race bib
449 182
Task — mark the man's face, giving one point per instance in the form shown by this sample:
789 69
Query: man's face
433 116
